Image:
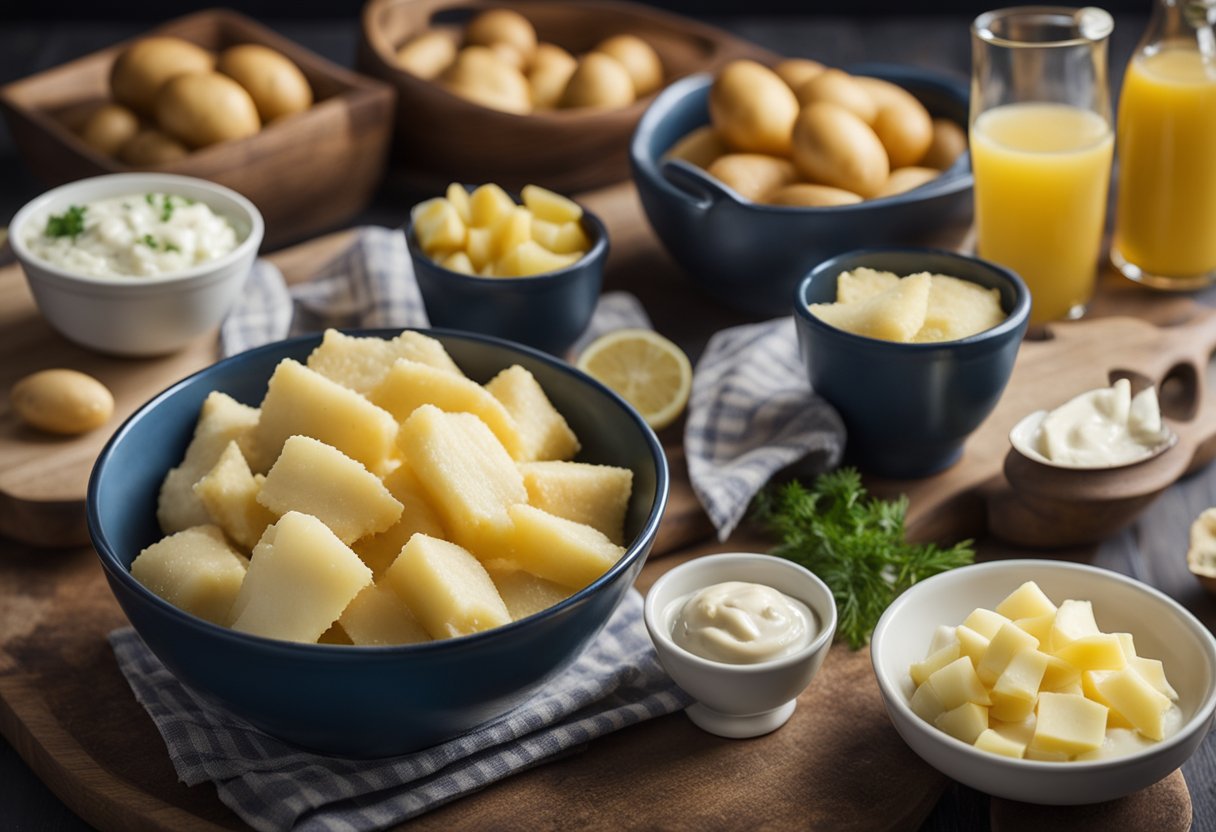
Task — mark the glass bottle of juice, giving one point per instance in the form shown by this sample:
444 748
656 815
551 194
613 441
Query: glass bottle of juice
1165 220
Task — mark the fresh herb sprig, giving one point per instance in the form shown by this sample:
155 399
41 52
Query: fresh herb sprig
855 544
68 224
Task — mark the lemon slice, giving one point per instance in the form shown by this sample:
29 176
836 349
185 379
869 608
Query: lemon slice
646 369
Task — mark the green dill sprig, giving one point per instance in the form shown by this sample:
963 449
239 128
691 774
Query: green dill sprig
68 224
855 544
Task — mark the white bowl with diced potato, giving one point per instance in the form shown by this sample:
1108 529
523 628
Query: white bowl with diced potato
1161 629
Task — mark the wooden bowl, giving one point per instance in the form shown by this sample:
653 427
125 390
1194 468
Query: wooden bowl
311 172
442 137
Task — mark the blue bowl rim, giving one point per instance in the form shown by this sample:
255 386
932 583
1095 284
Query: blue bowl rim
113 566
952 181
1015 319
597 252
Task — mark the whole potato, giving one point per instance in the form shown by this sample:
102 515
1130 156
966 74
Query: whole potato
903 124
949 142
480 76
905 179
276 85
806 195
599 82
502 26
428 54
639 59
832 146
700 147
797 71
109 128
839 87
151 147
552 67
206 108
508 54
752 108
144 67
61 401
752 175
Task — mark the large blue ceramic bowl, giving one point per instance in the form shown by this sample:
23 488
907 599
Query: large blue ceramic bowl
751 256
365 701
547 311
907 408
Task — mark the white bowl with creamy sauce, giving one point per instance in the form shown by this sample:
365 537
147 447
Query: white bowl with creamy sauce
744 635
136 264
1162 629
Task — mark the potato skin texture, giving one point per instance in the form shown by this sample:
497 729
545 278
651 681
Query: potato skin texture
902 123
599 82
753 109
752 175
207 108
481 76
145 66
152 147
639 59
832 146
109 128
276 85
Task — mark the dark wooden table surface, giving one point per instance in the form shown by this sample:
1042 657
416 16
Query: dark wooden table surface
1152 550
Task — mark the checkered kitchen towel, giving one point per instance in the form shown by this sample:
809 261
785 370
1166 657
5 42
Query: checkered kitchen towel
617 682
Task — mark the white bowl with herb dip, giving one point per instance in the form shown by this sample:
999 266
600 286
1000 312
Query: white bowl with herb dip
136 264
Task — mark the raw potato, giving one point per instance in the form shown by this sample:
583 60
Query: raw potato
948 143
752 175
837 87
417 515
559 550
594 495
428 54
895 315
551 69
194 570
276 85
110 128
526 594
378 617
803 194
483 78
145 66
862 284
753 109
599 82
65 402
362 363
700 147
905 179
639 59
448 590
202 109
797 71
503 26
152 147
902 123
833 146
958 309
229 493
544 433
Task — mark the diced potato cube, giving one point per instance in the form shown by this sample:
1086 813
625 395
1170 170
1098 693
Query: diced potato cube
1027 601
302 402
862 284
943 635
958 308
551 547
314 478
1007 643
524 593
1060 676
1044 756
468 475
229 492
1136 700
300 579
531 258
480 248
378 616
417 515
1089 689
1017 688
221 420
458 261
437 226
985 622
194 570
921 671
543 431
994 743
965 723
512 231
409 385
1039 626
595 495
447 589
971 644
895 315
956 684
1021 732
459 197
1100 652
1128 645
1068 723
564 238
1074 619
549 206
1153 672
362 363
488 205
925 704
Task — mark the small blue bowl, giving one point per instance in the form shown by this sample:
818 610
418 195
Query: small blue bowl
547 311
907 408
365 701
751 256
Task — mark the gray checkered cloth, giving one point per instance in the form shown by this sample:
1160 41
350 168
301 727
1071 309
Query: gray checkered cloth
615 683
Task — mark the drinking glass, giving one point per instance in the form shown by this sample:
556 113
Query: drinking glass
1041 146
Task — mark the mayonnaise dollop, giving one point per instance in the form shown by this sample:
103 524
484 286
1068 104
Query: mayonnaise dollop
742 623
1103 427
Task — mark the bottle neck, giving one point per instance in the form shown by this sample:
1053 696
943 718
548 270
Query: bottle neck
1181 21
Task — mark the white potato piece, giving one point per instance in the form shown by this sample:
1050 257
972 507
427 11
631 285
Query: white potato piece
361 363
229 492
594 495
447 588
559 550
524 593
894 315
194 570
378 617
417 515
543 431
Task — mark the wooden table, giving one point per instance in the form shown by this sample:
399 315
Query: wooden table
1152 550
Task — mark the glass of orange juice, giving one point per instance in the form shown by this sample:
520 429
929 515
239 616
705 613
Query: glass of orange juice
1165 217
1041 146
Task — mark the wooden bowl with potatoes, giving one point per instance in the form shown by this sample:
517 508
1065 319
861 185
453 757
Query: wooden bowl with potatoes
528 92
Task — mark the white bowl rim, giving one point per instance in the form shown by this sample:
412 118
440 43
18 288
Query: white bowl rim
139 180
894 698
653 615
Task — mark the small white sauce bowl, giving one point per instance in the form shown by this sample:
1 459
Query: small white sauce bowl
740 700
1162 629
139 316
1025 439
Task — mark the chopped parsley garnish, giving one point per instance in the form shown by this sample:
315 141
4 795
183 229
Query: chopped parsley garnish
171 247
68 224
150 241
166 209
150 199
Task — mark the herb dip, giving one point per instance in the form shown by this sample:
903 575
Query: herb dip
138 235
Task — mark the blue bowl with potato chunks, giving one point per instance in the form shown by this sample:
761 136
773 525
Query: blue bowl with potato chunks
366 701
909 407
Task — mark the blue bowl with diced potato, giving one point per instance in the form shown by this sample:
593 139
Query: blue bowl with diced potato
364 701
